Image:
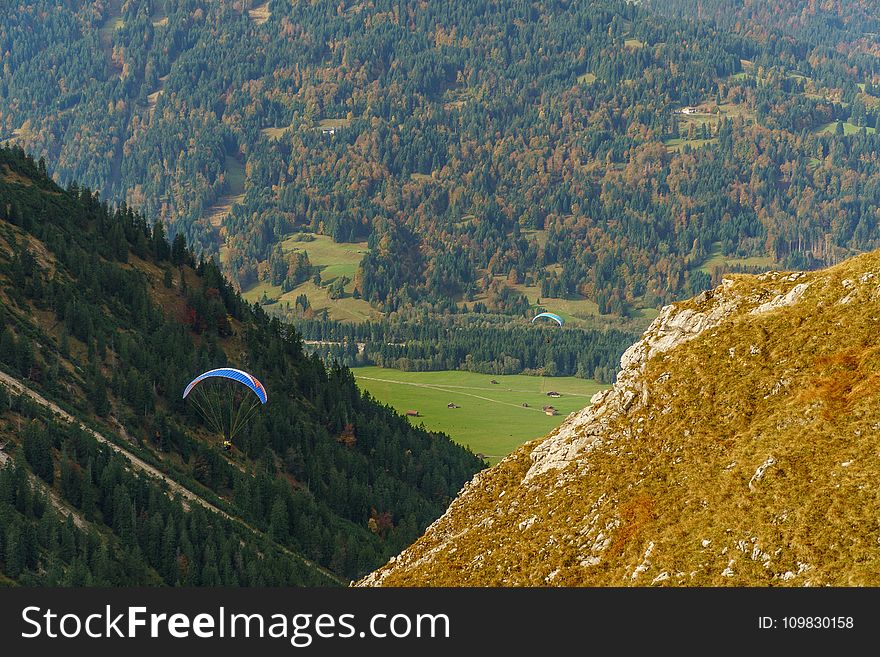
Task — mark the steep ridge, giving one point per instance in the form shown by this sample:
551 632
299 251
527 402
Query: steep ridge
102 324
737 447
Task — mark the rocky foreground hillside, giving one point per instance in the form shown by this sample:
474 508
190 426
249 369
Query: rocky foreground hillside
739 446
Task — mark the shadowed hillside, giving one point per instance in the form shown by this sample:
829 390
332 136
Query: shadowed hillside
103 317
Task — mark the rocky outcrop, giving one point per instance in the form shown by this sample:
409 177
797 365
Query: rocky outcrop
672 327
701 465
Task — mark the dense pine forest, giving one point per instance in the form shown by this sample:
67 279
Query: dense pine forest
103 315
115 529
618 152
475 347
847 25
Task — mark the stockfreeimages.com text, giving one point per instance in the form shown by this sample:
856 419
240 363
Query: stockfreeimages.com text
299 629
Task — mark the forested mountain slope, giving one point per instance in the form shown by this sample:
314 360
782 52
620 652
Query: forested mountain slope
822 24
737 447
545 141
102 315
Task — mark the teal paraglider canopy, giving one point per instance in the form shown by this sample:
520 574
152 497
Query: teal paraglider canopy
556 318
226 398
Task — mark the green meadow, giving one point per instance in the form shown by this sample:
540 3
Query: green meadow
718 259
333 259
490 418
848 128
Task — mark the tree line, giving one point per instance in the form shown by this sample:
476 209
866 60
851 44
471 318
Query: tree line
475 347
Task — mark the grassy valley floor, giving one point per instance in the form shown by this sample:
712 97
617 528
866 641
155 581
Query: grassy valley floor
490 418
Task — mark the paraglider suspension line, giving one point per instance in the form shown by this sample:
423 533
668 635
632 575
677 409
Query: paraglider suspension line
209 416
216 407
214 396
241 420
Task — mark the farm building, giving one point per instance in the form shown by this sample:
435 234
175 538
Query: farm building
412 413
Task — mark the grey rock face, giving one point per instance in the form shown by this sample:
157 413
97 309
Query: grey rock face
673 326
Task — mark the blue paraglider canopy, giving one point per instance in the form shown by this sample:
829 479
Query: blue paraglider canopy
556 318
223 397
230 373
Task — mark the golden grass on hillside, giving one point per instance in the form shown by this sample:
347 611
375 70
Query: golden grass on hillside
11 176
753 463
260 14
275 133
